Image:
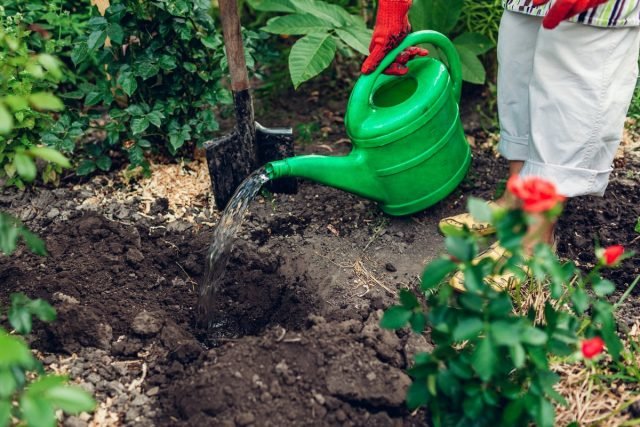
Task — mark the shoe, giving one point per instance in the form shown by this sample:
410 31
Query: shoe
499 282
466 219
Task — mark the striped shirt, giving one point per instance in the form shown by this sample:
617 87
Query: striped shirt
614 13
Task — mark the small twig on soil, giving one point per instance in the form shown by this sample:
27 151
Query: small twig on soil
282 335
171 244
633 241
626 294
138 382
376 233
189 279
362 272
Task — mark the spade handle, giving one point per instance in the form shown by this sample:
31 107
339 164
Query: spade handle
233 44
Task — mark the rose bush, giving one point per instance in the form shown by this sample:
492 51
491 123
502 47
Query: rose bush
490 365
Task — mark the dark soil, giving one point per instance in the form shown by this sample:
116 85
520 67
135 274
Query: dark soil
302 298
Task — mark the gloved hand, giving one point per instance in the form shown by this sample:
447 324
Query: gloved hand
392 26
565 9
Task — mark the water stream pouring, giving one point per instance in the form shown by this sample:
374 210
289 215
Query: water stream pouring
409 148
409 151
220 249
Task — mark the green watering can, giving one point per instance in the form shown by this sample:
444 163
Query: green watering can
409 148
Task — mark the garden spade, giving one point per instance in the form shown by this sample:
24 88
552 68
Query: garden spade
233 157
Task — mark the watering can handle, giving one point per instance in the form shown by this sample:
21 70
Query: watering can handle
420 37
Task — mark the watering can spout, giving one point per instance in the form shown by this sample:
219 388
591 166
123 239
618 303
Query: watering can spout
349 173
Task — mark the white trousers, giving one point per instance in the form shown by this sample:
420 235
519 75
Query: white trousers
563 96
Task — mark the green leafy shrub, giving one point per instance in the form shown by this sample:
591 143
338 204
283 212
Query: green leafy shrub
326 29
161 76
26 103
443 16
491 361
22 377
27 393
55 25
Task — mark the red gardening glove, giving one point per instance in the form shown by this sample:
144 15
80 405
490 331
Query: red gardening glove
565 9
392 26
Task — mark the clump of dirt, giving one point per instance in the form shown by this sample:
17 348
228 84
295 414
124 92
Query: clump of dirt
326 375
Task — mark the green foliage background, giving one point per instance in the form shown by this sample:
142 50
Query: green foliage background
159 86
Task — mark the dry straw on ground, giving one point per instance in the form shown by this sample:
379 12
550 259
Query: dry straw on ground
186 187
590 402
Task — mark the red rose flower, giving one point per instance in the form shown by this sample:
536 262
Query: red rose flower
612 254
592 347
537 194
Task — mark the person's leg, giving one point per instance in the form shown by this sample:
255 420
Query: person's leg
516 46
580 90
582 84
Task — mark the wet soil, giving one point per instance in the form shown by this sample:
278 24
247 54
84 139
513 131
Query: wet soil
302 297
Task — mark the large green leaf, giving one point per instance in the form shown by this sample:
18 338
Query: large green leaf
395 317
472 69
8 233
468 328
72 400
437 270
34 243
358 39
46 101
479 209
51 64
37 411
50 155
20 319
437 15
128 82
6 120
96 39
518 355
272 5
418 394
14 351
5 412
25 166
309 56
139 125
533 336
115 33
330 13
8 384
505 332
463 248
484 359
475 42
79 53
296 24
42 310
545 414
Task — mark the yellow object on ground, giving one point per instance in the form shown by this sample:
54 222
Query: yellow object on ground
466 219
498 282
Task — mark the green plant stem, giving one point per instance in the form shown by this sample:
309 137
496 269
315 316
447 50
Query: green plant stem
626 294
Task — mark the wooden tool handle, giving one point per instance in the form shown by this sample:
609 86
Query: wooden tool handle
233 44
